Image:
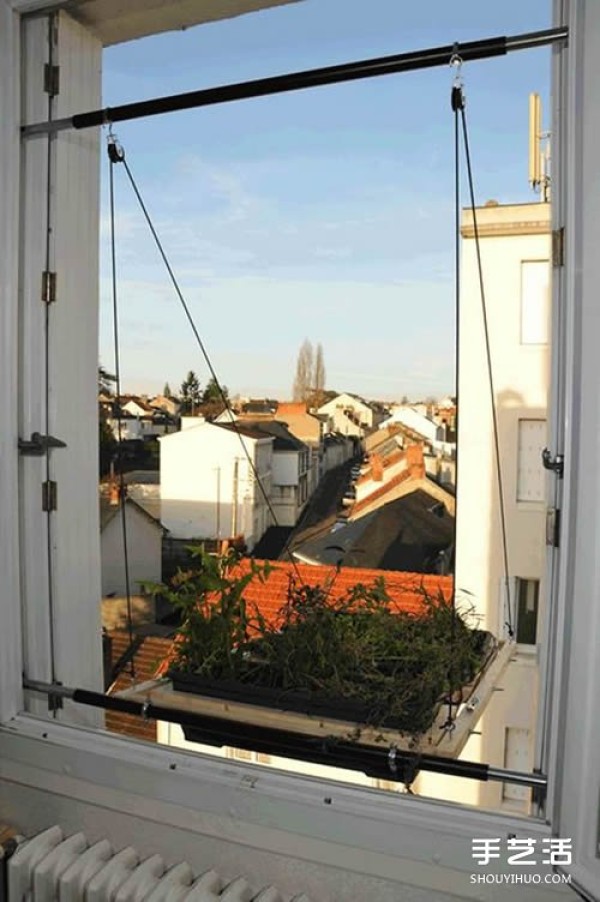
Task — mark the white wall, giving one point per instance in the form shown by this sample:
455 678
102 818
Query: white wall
144 551
199 487
339 422
411 418
521 373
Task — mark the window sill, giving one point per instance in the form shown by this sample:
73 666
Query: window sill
367 833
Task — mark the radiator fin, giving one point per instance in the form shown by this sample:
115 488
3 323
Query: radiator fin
53 868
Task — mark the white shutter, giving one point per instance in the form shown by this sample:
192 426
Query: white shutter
530 471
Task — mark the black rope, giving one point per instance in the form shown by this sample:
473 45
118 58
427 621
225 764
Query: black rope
509 620
48 470
457 104
113 155
203 350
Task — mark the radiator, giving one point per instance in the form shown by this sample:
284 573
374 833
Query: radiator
53 868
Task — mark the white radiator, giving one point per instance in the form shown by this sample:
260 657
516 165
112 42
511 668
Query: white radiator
52 868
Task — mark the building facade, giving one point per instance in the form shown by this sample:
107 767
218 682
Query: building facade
515 253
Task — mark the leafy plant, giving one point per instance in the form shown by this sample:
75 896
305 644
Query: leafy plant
394 666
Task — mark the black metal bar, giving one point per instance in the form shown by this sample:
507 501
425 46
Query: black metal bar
382 763
310 78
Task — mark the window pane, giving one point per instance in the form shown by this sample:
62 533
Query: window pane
535 302
527 610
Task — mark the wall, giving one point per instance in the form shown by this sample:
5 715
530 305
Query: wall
203 470
521 373
144 547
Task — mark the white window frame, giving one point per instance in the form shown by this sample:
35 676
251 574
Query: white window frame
79 764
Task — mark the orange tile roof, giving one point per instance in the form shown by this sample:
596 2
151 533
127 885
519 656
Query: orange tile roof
380 493
151 653
406 591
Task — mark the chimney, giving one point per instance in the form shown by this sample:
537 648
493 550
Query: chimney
415 461
113 493
376 468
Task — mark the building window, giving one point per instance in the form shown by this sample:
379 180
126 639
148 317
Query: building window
530 472
535 302
527 595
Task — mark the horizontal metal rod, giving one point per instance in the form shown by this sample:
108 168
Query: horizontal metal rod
310 78
382 763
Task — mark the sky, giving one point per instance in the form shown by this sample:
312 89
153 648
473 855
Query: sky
325 214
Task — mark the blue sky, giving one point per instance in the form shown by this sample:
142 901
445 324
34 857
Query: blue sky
324 214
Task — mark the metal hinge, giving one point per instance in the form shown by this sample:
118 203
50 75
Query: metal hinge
553 527
49 496
48 287
558 247
51 79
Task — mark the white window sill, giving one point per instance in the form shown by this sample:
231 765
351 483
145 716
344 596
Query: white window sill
373 834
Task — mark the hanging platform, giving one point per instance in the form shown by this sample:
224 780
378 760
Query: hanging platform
280 731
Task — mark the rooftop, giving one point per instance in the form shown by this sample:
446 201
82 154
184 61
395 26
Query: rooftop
408 534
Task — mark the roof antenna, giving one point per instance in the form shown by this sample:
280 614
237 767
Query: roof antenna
539 153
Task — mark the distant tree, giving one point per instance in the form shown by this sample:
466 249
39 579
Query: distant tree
319 373
212 392
191 394
404 399
303 384
106 381
167 390
213 399
107 446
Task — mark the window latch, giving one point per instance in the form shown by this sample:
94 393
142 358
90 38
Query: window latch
39 444
554 463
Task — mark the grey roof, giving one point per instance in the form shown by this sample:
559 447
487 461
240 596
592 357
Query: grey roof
284 440
109 511
407 534
249 430
142 477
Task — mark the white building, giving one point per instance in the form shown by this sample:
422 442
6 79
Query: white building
349 415
290 470
290 832
207 484
144 547
415 421
515 252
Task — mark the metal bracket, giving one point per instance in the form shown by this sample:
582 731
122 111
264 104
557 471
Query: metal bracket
555 464
55 699
39 444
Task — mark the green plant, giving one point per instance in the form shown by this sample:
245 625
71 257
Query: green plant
396 666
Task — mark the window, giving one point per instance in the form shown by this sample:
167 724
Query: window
528 591
530 471
535 302
587 473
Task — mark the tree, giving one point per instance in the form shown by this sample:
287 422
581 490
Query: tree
214 399
107 446
212 392
191 395
319 377
167 391
304 372
105 381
